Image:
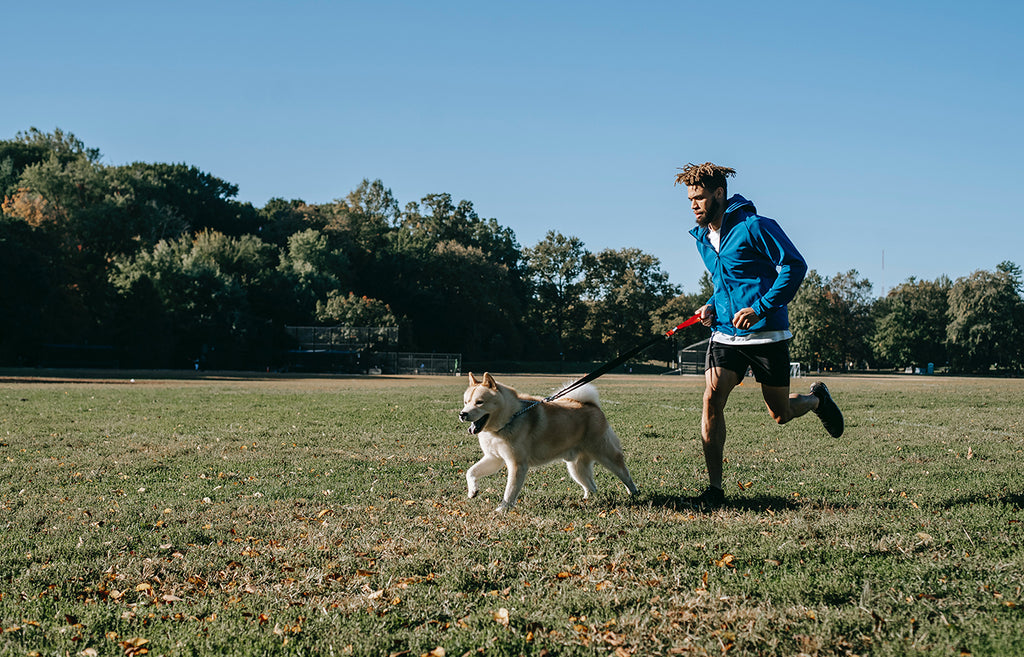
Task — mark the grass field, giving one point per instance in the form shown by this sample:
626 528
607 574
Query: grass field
322 516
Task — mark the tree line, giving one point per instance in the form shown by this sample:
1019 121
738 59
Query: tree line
161 264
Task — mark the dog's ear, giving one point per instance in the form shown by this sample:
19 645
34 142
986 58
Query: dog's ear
489 381
472 380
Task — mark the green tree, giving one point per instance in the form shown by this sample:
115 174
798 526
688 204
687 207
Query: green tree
352 310
196 198
831 321
459 300
64 145
143 207
34 147
911 327
202 287
280 219
30 294
626 286
73 192
986 315
312 269
555 267
459 223
359 226
1015 274
61 196
457 279
371 199
707 287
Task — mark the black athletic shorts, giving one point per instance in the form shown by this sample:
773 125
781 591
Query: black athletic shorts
769 362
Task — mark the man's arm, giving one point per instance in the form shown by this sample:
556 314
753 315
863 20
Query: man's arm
783 253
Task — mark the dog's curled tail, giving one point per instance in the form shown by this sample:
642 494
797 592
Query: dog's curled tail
585 394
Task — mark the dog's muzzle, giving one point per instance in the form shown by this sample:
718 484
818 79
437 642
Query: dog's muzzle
477 426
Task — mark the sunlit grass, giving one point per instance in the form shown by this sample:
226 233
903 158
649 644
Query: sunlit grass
324 516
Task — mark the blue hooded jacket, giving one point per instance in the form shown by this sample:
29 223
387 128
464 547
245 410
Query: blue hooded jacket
757 267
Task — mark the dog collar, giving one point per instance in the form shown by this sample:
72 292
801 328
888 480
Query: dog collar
525 406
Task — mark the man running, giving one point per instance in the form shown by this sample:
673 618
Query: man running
756 271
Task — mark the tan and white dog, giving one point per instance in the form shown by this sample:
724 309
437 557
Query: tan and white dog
572 429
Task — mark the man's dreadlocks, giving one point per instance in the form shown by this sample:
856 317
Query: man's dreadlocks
709 176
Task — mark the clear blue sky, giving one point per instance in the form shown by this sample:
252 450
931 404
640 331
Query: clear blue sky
863 128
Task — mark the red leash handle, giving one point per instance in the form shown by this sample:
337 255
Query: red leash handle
689 322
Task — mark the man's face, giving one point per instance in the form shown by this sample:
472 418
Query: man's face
708 207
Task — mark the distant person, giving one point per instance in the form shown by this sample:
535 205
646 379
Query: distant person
756 271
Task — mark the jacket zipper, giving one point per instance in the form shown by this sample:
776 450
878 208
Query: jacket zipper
725 286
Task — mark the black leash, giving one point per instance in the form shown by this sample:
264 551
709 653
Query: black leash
609 366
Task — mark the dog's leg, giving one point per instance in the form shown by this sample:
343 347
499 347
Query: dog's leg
516 479
488 465
614 460
581 469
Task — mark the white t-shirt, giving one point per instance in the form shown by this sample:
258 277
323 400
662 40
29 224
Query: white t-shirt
715 237
759 337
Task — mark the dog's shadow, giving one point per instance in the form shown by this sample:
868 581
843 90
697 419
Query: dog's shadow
758 504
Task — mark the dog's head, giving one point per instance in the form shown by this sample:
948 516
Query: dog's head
482 399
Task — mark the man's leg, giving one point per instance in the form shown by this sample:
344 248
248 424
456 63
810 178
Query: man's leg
785 406
718 383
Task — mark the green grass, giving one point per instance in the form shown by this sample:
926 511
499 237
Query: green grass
319 516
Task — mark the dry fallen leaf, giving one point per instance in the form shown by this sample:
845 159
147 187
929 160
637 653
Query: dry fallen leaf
133 647
725 561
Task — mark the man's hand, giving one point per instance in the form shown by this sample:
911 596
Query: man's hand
707 315
745 318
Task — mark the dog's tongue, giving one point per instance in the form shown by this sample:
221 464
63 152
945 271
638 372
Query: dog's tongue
478 426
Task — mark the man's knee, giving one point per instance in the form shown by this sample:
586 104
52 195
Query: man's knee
778 402
780 416
715 398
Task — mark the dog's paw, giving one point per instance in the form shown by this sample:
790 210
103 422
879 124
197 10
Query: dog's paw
503 508
472 493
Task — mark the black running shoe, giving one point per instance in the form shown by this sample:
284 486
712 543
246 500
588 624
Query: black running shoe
827 411
711 498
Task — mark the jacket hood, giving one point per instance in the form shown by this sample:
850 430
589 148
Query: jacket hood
737 202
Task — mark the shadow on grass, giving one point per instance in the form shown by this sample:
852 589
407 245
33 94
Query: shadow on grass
1010 499
758 504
